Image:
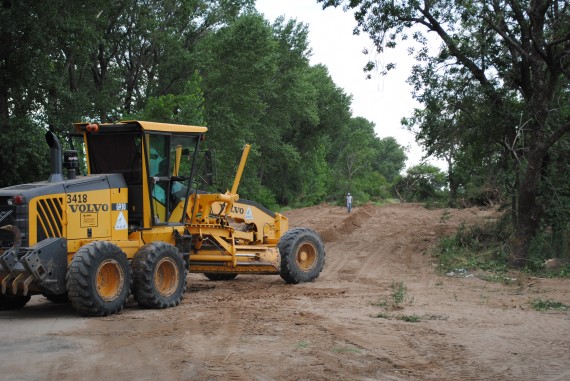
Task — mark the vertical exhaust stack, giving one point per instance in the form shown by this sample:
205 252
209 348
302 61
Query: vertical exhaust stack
56 166
71 163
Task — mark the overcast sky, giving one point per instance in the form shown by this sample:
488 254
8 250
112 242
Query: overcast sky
383 100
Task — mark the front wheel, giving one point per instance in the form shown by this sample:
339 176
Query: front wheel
159 275
302 255
99 279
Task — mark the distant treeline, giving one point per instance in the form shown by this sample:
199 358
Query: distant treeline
213 63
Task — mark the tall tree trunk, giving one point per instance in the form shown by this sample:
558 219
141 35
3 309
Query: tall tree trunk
452 179
527 210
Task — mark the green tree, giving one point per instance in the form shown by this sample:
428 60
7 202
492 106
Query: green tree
317 130
507 49
555 199
214 63
23 154
291 118
449 127
357 151
423 182
389 158
185 108
365 165
62 62
238 64
260 89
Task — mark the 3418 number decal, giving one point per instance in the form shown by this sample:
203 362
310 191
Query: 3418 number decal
77 198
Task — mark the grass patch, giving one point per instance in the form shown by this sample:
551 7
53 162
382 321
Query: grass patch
381 303
395 301
545 305
346 350
498 278
303 344
560 273
563 273
398 297
434 317
409 318
398 293
445 216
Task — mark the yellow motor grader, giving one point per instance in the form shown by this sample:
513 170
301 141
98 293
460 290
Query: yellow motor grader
137 223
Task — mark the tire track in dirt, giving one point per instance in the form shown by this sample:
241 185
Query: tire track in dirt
345 224
110 350
381 240
210 342
390 247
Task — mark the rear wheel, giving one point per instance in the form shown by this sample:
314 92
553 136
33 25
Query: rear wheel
99 279
219 277
302 255
13 302
159 275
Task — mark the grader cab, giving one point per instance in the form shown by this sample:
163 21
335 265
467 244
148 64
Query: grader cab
137 223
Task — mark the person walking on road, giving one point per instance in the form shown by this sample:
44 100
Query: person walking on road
348 202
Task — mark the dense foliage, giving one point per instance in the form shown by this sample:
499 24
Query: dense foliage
495 98
214 63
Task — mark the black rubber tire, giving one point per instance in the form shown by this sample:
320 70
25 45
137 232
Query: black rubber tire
302 255
220 276
13 302
57 299
159 275
99 279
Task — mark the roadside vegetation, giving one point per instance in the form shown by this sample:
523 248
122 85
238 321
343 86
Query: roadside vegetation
486 248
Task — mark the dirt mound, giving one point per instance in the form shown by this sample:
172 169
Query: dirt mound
354 220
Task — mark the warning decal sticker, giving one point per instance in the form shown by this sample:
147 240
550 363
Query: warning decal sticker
121 223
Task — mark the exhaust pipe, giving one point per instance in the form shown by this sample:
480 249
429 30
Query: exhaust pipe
56 165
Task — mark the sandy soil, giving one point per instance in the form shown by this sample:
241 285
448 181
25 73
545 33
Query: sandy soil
259 328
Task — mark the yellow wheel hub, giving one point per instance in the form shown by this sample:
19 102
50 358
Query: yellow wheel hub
110 279
306 256
166 277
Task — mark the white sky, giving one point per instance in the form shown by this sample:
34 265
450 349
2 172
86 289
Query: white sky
383 100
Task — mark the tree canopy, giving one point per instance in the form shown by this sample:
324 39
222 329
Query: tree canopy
214 63
495 92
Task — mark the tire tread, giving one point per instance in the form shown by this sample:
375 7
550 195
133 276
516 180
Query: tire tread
287 245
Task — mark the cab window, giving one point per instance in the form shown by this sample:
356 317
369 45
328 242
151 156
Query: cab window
170 165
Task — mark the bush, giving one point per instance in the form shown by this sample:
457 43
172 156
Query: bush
483 247
422 182
549 244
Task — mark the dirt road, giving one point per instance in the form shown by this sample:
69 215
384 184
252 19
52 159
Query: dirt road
259 328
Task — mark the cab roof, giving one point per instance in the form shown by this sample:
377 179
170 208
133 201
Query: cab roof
130 125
